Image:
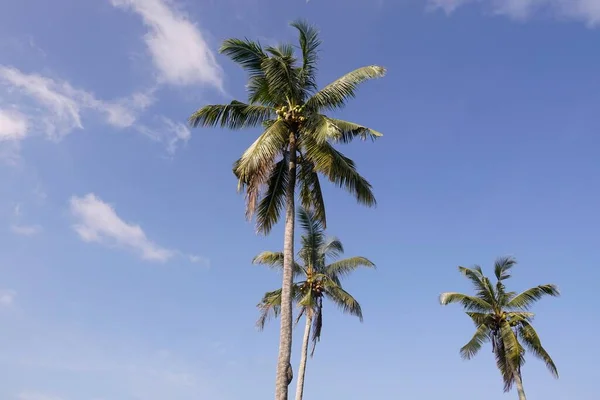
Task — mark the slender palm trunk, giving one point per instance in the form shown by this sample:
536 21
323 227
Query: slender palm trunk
285 332
303 358
519 384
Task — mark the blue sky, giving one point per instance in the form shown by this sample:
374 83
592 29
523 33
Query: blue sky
125 264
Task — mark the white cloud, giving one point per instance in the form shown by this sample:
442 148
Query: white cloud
98 221
178 48
36 396
59 106
587 11
13 125
26 230
7 297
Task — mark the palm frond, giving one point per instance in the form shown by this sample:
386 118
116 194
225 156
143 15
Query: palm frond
270 206
340 170
332 248
269 307
479 338
533 343
527 298
480 283
248 54
308 36
469 303
311 195
502 267
235 115
343 267
346 132
341 298
480 318
336 94
282 77
504 366
317 326
313 236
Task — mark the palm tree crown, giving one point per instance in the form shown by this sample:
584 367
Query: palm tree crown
317 278
284 99
503 318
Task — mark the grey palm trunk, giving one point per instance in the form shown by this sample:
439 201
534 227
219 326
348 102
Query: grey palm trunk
519 385
303 358
285 332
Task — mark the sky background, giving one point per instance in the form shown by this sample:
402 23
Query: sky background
125 257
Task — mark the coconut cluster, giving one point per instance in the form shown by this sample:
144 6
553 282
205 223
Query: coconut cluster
291 114
314 285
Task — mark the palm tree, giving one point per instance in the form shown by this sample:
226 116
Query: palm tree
295 146
504 319
318 280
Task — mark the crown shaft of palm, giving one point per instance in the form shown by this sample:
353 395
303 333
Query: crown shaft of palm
295 147
503 318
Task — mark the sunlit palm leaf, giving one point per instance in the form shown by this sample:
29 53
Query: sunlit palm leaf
470 303
479 338
527 298
348 131
336 94
343 267
311 196
533 343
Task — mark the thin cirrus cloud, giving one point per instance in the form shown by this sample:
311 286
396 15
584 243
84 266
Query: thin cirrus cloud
179 50
98 222
29 395
25 230
59 106
587 11
7 297
13 125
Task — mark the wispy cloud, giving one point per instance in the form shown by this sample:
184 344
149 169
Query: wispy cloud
178 48
172 133
98 222
7 297
29 395
25 230
13 125
587 11
59 106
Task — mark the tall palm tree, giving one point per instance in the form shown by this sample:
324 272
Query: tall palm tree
504 319
295 146
318 280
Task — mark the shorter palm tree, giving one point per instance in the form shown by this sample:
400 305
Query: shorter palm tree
504 319
317 280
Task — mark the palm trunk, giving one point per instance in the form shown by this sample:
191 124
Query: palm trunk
519 384
303 358
285 332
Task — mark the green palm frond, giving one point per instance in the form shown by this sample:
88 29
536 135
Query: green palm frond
342 299
502 267
236 115
527 298
274 260
313 237
248 54
336 94
308 37
533 343
346 132
479 338
270 305
504 366
340 170
332 248
480 283
282 76
317 326
270 206
480 318
470 303
343 267
311 195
